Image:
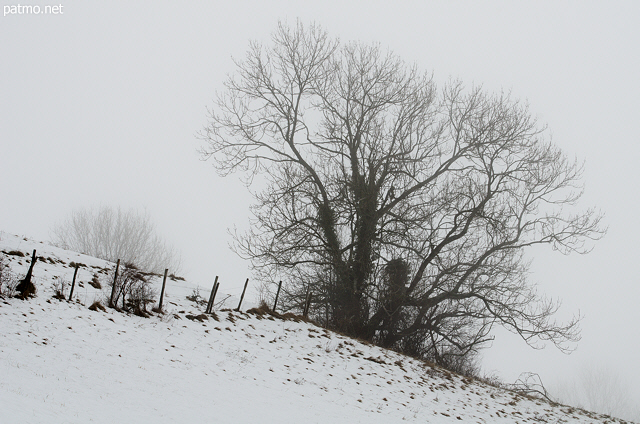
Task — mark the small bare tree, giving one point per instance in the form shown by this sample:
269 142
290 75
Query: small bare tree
133 290
113 234
405 208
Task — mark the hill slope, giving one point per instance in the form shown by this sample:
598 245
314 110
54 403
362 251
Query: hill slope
61 362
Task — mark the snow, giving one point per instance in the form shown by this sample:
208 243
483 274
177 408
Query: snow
61 362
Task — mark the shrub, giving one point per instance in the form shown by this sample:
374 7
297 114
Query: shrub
59 286
133 290
95 282
97 306
8 281
196 298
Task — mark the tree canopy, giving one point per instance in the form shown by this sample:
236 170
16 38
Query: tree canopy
404 207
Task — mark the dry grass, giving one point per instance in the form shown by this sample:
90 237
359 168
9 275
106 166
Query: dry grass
97 306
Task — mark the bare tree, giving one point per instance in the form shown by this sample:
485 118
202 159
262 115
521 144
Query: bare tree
601 389
134 289
405 208
113 234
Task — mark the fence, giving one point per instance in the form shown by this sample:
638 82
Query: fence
117 291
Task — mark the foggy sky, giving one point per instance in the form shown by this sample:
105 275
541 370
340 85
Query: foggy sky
100 105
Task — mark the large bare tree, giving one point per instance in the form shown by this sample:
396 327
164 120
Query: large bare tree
404 207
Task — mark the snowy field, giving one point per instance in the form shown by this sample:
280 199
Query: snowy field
63 363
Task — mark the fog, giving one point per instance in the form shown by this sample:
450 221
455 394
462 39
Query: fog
100 105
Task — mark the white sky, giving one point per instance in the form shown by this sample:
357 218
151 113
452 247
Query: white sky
100 105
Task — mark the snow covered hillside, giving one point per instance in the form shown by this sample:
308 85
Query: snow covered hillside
63 363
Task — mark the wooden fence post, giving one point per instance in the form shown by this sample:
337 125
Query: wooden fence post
215 293
242 297
275 303
211 297
307 304
73 283
26 287
113 289
164 283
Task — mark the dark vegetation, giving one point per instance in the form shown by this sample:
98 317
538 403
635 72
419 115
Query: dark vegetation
97 306
95 282
8 280
132 291
25 287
